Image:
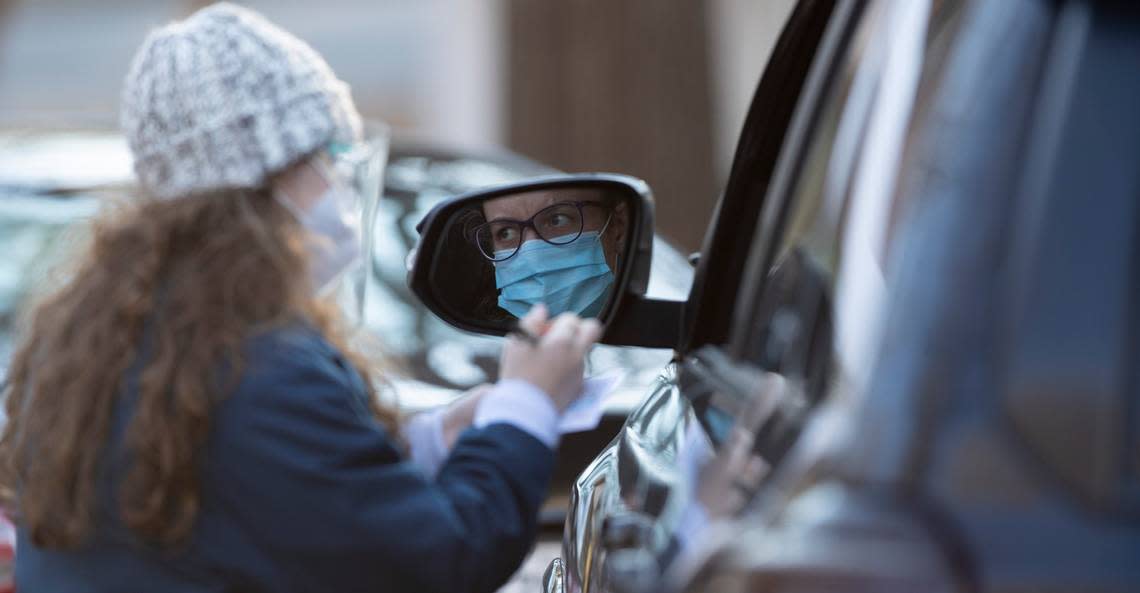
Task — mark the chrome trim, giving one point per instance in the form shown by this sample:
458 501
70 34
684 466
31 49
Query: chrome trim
636 475
552 577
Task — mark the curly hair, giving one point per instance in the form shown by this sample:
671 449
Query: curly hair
193 279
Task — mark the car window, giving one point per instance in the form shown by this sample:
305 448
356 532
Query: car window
736 219
825 283
812 315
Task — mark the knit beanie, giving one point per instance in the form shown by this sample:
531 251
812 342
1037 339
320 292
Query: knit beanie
225 99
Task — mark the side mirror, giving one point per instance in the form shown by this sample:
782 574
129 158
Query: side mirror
577 243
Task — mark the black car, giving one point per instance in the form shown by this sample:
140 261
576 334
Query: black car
928 243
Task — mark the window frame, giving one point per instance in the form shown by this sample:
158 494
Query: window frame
788 80
778 204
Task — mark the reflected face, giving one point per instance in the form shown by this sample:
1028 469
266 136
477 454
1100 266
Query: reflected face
559 247
556 216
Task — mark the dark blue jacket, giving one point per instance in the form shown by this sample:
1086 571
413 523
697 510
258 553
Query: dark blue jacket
303 491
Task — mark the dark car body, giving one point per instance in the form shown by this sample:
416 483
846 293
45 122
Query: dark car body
936 249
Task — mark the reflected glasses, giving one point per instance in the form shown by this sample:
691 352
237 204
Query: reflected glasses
559 224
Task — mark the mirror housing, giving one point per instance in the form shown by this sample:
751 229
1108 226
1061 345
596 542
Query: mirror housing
431 269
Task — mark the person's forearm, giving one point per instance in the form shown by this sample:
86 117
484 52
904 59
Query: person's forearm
520 404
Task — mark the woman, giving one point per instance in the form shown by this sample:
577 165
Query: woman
184 414
558 247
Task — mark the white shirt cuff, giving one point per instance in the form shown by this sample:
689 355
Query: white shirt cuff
424 434
522 405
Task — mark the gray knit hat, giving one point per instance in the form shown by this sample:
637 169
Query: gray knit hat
224 99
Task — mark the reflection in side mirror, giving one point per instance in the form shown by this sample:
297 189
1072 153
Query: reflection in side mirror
559 247
571 243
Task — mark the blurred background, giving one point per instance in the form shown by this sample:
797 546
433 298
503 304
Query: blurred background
652 88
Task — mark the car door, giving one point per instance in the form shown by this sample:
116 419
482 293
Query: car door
736 218
993 446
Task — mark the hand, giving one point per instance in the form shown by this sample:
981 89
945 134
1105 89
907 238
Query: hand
728 482
555 362
461 413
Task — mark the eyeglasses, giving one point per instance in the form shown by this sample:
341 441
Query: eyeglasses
559 224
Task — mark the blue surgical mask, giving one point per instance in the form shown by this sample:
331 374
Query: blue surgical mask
572 277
